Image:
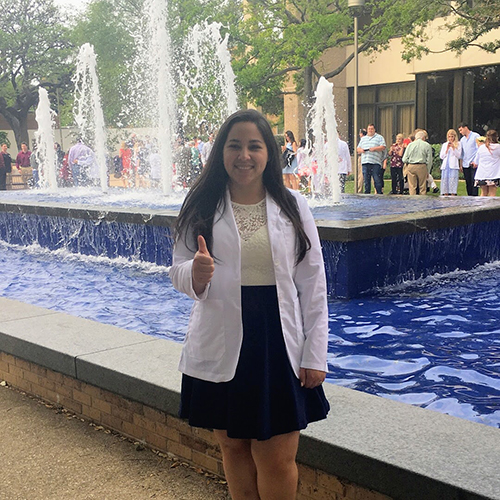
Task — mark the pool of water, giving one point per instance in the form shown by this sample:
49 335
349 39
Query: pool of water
434 343
350 208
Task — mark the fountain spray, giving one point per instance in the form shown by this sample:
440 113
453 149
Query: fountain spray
89 117
44 136
324 128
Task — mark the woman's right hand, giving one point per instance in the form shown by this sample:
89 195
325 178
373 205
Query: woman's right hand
203 267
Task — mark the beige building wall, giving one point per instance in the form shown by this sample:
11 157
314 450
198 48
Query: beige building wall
388 67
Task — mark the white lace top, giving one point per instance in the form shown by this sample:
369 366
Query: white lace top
256 258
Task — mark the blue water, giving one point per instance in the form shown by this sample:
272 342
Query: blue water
434 343
351 208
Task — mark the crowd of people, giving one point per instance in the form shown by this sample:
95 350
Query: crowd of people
411 160
138 163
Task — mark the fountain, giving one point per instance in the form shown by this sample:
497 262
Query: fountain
323 124
206 70
46 156
369 242
88 110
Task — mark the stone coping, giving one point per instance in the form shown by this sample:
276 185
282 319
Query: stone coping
356 229
397 449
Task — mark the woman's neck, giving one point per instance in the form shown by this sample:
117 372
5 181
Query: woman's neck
248 195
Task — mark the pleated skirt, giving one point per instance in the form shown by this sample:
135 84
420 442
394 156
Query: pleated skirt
264 399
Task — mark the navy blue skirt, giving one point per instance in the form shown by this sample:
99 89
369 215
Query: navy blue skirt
264 398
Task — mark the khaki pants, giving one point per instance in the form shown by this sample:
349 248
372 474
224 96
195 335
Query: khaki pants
361 185
26 174
417 176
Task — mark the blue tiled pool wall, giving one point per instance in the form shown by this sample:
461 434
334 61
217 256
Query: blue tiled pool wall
352 268
144 242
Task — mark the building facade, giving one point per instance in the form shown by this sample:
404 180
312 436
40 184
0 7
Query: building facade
435 92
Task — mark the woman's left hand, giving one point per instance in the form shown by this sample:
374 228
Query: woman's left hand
311 378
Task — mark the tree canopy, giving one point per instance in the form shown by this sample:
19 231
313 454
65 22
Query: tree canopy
468 20
277 38
33 52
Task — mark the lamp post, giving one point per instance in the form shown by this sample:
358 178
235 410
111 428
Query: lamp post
356 6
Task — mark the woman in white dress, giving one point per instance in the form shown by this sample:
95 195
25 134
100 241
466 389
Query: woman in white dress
488 165
450 154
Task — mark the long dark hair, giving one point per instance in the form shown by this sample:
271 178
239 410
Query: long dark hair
208 192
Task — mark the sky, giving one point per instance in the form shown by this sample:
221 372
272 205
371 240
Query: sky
71 4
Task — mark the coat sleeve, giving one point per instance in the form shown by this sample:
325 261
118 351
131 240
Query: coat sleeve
310 282
182 270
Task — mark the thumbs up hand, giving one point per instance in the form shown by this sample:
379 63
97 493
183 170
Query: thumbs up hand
203 267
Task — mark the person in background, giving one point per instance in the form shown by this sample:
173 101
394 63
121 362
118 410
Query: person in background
451 152
488 165
23 163
469 149
207 147
155 163
362 133
290 170
372 149
7 162
418 162
3 174
34 163
60 154
252 364
396 153
125 153
344 163
80 157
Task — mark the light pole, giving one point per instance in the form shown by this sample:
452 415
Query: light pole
356 6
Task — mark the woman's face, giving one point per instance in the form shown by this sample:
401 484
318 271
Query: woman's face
399 140
245 155
451 137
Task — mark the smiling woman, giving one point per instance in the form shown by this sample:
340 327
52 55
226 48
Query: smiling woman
247 251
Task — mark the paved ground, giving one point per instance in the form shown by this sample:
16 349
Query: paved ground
48 454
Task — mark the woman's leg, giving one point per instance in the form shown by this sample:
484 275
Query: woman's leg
277 474
492 191
484 190
239 466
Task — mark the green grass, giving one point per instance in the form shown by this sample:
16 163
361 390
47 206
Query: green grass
462 191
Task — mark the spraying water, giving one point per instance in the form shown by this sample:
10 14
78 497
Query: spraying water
324 129
155 58
208 90
89 117
46 155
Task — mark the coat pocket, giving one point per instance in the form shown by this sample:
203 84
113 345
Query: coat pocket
205 340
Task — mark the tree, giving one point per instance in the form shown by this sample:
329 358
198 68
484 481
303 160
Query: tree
109 30
470 19
33 53
274 39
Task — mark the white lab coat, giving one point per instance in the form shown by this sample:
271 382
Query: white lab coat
215 332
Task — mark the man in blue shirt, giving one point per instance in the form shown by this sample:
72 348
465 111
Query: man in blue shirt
372 148
469 150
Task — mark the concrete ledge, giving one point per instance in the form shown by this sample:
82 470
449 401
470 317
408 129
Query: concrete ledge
396 449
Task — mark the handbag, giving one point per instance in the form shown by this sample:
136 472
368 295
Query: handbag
287 158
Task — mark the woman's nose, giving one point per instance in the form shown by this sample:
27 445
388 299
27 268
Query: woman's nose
244 153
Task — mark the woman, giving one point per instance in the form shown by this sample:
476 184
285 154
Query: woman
450 154
248 252
396 153
125 153
488 165
290 177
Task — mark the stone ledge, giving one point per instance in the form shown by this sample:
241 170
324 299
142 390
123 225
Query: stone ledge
395 449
